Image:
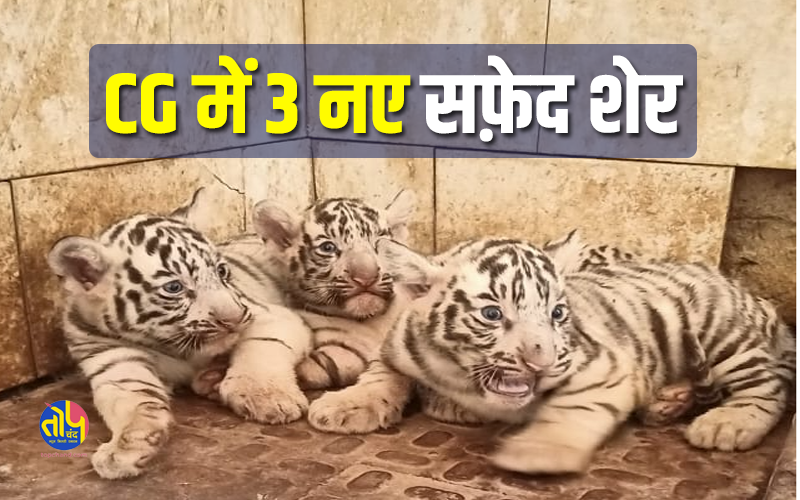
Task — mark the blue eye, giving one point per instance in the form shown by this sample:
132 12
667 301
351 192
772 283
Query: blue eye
173 287
327 247
492 313
223 271
559 313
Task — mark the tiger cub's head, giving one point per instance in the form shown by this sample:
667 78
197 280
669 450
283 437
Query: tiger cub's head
152 280
489 326
328 252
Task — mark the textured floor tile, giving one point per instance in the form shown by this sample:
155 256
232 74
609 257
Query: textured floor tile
86 201
213 454
15 344
761 233
425 21
362 481
745 63
783 483
660 209
378 180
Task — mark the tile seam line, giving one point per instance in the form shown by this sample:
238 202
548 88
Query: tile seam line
22 281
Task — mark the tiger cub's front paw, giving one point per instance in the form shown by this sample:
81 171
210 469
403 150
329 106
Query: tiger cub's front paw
267 403
349 411
127 456
540 457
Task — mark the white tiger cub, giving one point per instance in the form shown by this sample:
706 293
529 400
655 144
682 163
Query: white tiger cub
151 301
328 412
505 335
325 259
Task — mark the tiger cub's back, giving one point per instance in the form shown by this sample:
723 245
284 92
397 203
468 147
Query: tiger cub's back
684 320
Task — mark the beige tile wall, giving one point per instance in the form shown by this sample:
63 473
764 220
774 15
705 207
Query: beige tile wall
44 63
288 182
760 242
746 66
15 341
661 210
426 21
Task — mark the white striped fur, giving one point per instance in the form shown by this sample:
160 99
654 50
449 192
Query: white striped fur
149 303
572 356
331 411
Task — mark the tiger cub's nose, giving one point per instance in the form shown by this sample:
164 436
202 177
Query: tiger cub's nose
232 319
363 269
365 281
538 356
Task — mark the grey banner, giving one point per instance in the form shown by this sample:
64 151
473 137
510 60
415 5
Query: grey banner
304 62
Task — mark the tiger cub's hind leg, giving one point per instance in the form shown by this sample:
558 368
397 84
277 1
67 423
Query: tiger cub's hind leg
206 382
687 398
671 403
342 351
677 401
330 367
754 402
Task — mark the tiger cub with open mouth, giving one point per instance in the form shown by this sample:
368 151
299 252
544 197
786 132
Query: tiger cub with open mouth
500 330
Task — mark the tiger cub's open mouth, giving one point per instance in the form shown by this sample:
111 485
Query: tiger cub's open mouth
511 384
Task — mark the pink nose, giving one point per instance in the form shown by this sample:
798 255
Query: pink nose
363 269
538 357
233 319
365 281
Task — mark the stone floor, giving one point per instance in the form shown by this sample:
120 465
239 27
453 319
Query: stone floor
212 454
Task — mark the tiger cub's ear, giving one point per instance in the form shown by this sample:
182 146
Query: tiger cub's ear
399 212
78 258
408 268
197 211
566 252
273 223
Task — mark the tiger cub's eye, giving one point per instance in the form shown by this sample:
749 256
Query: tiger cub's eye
173 287
559 313
223 271
492 313
327 248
